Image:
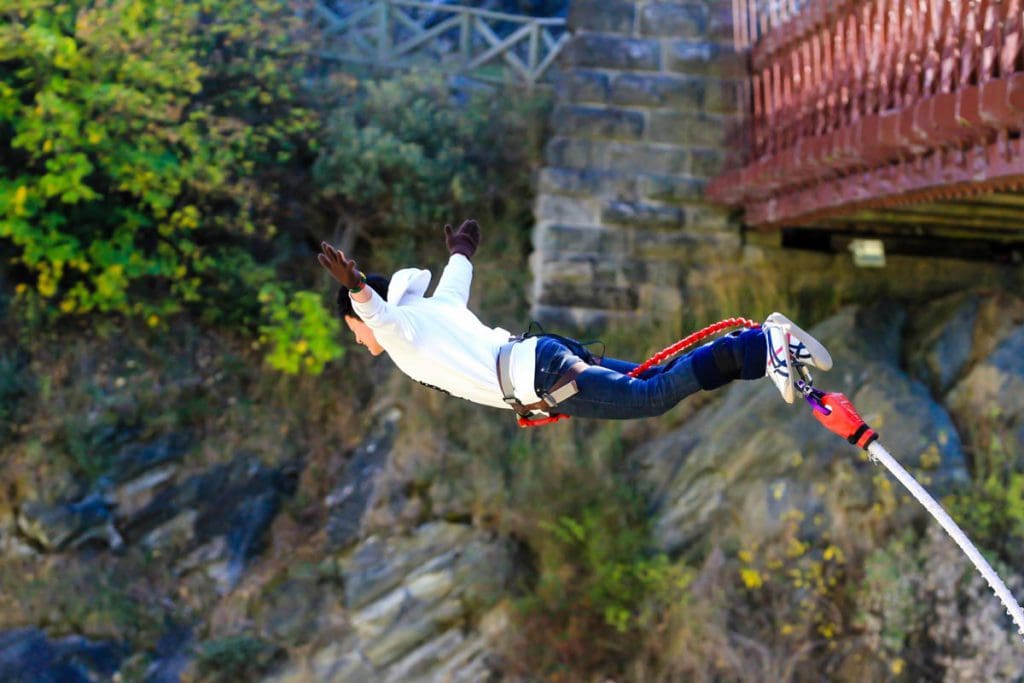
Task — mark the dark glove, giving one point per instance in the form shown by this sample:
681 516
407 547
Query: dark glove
463 241
341 269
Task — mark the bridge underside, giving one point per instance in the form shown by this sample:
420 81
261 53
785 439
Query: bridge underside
895 118
987 227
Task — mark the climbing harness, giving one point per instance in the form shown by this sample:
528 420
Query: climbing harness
539 414
838 415
563 389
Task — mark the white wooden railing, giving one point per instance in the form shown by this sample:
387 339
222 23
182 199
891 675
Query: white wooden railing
402 33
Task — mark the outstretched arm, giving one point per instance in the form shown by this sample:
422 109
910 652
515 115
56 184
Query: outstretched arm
458 274
343 270
371 308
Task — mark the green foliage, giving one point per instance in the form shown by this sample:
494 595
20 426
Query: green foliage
599 584
1014 498
795 581
599 589
15 385
992 512
991 507
144 143
236 658
619 572
888 597
302 334
405 155
90 443
93 599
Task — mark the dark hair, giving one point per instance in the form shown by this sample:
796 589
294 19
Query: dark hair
377 283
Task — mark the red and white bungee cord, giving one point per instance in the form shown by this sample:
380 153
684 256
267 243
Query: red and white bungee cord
837 413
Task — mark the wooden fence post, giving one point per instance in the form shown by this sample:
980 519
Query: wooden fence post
466 37
534 57
384 33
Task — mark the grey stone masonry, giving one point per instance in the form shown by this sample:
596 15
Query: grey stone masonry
649 97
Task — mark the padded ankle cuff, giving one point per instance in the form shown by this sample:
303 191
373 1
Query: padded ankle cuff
741 356
706 370
755 354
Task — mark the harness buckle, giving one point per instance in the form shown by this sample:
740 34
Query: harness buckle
560 394
542 411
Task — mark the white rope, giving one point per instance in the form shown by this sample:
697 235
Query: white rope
995 583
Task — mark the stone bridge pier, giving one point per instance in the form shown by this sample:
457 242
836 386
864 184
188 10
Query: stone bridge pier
648 111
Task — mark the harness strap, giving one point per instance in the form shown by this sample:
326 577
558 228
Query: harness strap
505 377
562 390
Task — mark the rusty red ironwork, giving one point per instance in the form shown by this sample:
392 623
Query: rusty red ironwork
866 103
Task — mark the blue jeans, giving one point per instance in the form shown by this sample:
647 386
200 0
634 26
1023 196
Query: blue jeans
606 391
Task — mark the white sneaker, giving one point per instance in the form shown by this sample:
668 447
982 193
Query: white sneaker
790 351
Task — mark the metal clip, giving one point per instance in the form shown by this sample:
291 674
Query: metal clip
814 398
805 385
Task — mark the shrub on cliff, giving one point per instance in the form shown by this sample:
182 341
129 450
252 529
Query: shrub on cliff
405 155
147 147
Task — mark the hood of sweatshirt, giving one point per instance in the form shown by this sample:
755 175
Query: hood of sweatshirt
407 285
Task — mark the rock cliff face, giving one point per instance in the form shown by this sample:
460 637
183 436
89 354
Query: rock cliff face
403 585
213 521
407 607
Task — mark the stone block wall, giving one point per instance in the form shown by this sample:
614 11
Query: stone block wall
647 112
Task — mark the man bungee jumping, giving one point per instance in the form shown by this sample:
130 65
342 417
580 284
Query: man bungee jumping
439 342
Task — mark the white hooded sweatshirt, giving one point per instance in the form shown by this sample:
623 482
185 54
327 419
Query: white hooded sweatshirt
439 342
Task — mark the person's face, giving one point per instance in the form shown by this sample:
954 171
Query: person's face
364 335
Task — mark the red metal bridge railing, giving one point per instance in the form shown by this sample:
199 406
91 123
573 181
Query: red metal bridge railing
876 102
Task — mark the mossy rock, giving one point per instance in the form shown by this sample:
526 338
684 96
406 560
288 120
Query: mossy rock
235 658
15 387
